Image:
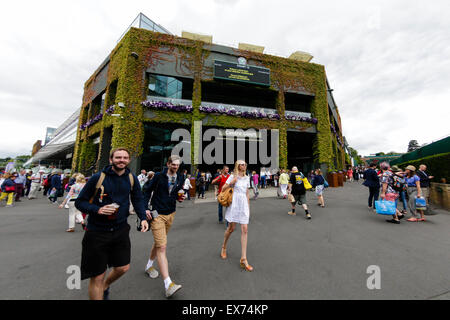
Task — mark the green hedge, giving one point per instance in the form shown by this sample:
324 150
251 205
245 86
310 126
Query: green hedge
437 166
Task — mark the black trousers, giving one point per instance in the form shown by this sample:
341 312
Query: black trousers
373 195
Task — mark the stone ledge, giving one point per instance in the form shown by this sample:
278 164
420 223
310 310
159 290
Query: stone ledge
440 194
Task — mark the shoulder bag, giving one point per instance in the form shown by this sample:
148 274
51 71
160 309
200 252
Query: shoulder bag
225 197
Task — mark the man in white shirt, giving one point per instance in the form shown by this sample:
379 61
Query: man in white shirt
142 178
36 181
187 186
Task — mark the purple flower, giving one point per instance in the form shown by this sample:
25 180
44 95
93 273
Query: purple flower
110 110
162 105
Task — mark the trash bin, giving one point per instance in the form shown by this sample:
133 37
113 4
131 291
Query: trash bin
193 190
340 179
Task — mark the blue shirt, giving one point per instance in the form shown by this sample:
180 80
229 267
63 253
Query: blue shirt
21 179
412 181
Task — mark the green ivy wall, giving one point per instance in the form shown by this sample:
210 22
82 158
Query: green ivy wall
126 83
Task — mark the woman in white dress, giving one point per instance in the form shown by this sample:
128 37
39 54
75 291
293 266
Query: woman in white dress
238 211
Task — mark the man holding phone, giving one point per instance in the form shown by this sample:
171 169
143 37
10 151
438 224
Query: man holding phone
106 243
164 190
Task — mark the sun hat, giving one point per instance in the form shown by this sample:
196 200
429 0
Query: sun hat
410 167
395 169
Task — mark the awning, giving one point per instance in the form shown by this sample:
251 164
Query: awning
52 152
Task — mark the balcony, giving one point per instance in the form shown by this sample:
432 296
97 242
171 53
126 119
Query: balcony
234 110
297 114
221 108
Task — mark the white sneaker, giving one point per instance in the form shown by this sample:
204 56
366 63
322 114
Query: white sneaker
152 272
66 206
172 289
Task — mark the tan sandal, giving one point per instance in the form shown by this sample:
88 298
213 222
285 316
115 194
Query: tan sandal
70 230
245 265
223 253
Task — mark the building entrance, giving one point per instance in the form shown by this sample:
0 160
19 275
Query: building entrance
300 150
158 146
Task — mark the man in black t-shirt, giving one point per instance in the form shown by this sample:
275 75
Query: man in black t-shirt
297 189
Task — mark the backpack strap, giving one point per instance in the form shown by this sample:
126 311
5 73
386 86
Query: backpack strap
98 186
130 175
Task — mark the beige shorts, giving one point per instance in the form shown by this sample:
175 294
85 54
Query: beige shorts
160 228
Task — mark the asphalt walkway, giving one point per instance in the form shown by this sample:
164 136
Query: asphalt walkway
294 258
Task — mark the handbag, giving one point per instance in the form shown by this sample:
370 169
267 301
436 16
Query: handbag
392 196
385 207
52 194
306 184
421 204
325 183
291 198
225 197
9 189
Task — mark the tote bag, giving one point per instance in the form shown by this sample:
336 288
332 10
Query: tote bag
421 204
325 183
306 184
385 207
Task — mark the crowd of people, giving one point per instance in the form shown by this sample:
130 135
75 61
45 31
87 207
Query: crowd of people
53 185
393 184
103 204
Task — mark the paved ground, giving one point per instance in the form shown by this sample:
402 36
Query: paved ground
325 258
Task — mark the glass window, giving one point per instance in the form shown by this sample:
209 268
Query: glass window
158 146
163 86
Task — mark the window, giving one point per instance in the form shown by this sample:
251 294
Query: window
163 86
297 102
238 94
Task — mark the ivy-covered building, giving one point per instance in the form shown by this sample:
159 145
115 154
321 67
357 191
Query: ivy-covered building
153 83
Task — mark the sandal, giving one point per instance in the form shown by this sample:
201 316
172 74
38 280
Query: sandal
223 253
70 230
412 220
245 265
421 219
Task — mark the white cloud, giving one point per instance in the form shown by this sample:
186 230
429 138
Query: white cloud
389 62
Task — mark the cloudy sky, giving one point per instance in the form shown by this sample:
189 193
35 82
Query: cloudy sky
388 63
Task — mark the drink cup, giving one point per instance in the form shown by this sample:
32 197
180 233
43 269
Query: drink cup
116 209
180 195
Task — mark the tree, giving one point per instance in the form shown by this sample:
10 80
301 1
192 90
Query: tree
23 158
413 145
354 154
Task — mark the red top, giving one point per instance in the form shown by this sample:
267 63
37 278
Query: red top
222 180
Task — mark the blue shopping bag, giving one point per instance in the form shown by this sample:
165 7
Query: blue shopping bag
325 184
385 207
421 204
